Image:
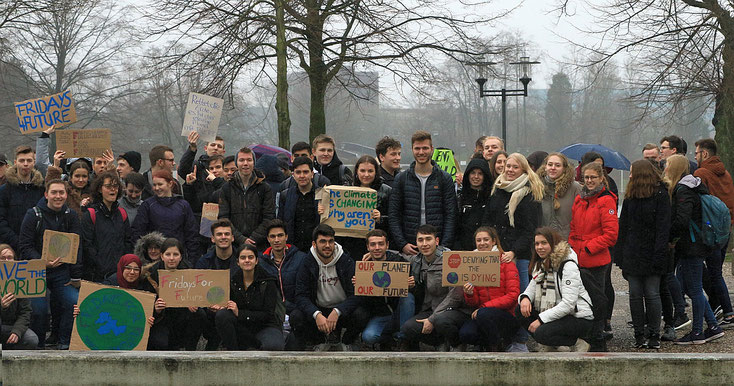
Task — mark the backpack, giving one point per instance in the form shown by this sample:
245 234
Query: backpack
715 222
39 218
593 287
93 214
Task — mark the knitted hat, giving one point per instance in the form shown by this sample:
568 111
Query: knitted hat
133 158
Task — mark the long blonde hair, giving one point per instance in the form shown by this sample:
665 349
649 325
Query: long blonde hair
537 188
676 166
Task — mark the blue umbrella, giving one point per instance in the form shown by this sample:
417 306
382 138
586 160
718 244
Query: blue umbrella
612 158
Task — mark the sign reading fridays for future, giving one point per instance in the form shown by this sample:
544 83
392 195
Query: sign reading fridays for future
348 209
194 287
23 278
83 143
202 116
35 115
479 268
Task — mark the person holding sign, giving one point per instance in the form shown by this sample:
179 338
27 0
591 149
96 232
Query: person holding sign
254 316
297 205
174 327
555 306
493 322
23 189
63 279
15 315
187 164
473 200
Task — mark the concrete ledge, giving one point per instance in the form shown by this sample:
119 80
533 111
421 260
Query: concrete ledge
266 368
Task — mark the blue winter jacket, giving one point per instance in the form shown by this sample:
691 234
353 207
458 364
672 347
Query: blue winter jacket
307 284
171 216
286 274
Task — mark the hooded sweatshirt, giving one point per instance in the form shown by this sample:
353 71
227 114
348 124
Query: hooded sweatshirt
329 291
472 204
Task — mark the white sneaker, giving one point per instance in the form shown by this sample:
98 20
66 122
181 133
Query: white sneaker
580 346
517 347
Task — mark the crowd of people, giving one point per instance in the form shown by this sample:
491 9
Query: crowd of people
555 227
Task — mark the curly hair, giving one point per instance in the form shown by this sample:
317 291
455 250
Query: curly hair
96 186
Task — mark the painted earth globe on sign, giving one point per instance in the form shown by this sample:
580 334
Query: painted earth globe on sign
452 278
215 295
59 246
111 319
381 279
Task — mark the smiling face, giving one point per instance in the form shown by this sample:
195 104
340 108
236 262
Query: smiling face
491 146
484 242
324 152
512 169
222 237
542 246
229 169
131 272
324 246
422 151
391 160
592 179
80 178
499 165
303 175
171 257
366 173
427 243
377 247
162 188
476 178
133 192
554 167
56 196
247 260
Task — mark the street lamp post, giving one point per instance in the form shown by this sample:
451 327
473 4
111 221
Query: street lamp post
525 65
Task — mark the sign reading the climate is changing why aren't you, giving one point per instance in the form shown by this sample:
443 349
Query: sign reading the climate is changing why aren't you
348 209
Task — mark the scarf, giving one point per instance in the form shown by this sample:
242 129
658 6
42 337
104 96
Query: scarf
519 189
586 193
545 291
558 187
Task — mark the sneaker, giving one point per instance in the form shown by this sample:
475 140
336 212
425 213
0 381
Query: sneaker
540 348
691 338
668 334
580 346
719 313
608 331
713 333
630 324
681 321
640 342
727 322
521 347
653 343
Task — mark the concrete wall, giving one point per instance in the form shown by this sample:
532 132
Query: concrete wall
262 368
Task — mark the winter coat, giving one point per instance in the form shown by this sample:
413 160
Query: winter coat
287 207
186 166
76 196
518 239
307 284
130 207
335 171
16 198
148 188
249 209
644 230
387 178
503 297
145 241
256 305
429 291
686 207
172 216
30 241
104 241
719 182
384 305
286 273
290 182
405 206
18 316
594 228
472 205
565 191
268 165
210 261
571 295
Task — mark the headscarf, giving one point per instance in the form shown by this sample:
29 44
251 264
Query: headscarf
125 260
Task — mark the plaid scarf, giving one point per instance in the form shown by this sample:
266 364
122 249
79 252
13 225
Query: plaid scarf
545 291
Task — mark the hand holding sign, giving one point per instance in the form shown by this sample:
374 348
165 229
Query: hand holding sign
7 300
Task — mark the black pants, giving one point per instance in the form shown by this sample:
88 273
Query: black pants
561 332
600 274
354 323
492 329
210 331
609 292
178 328
446 326
240 336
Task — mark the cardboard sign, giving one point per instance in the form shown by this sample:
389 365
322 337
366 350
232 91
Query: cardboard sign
60 244
209 215
479 268
348 209
84 143
111 318
23 278
39 114
194 287
202 116
381 278
445 160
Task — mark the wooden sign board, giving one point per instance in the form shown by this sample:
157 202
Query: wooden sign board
35 115
348 209
479 268
23 278
202 116
381 278
60 244
83 143
194 287
111 318
209 215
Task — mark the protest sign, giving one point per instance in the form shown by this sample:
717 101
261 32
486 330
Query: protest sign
39 114
111 318
348 209
381 278
444 158
23 278
202 116
60 244
209 215
479 268
83 143
194 287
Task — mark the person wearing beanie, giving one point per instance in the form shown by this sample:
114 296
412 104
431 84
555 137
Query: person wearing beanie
128 162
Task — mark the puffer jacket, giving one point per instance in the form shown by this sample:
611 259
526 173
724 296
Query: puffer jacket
713 174
249 209
16 198
594 228
405 206
571 296
503 297
644 230
172 216
472 204
256 304
518 239
286 273
686 207
144 242
104 241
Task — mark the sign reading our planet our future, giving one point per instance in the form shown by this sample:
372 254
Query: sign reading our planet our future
348 209
479 268
381 278
194 287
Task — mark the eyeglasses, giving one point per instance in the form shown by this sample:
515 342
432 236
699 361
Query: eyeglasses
169 159
131 268
589 178
664 147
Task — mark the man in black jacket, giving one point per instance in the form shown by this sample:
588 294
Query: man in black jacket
23 189
328 163
186 164
388 153
325 293
423 194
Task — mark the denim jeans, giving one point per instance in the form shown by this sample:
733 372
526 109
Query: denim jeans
714 264
645 304
378 325
676 292
691 269
522 270
62 294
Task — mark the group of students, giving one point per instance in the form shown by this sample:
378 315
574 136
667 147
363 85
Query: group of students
292 279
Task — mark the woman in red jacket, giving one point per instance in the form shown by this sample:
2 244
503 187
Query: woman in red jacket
594 228
493 324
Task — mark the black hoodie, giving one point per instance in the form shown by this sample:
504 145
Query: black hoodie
335 171
472 204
